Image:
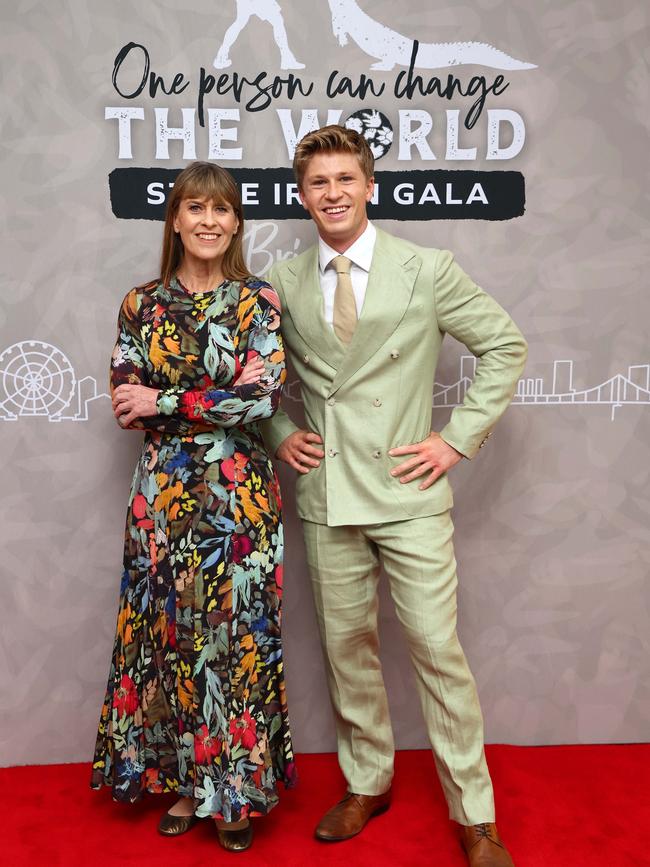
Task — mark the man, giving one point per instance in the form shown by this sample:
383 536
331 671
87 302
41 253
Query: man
364 314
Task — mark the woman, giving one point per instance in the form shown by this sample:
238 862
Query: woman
195 702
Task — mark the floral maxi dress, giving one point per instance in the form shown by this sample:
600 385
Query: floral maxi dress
195 701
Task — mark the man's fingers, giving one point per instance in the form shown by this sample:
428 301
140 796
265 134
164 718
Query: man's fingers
404 450
306 454
406 466
305 459
429 481
296 451
419 471
313 451
295 463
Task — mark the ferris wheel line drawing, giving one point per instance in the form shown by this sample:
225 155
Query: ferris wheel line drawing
37 379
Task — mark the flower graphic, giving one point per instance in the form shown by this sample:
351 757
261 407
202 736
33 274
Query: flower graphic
206 747
242 545
126 697
243 730
195 403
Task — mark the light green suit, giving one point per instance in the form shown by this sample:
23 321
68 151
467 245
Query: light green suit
363 400
377 394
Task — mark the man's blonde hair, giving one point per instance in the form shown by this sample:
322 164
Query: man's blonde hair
332 139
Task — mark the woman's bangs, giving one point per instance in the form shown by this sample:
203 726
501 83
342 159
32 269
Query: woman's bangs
208 185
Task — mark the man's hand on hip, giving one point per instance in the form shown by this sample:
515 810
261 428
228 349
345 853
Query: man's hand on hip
300 450
433 456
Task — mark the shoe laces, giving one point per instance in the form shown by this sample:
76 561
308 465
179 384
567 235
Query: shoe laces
484 831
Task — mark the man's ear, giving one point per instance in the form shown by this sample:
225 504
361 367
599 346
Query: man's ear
370 189
302 199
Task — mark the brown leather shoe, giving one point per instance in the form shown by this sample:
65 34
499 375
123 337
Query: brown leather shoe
484 847
350 816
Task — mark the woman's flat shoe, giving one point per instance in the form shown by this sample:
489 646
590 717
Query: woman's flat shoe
236 841
172 826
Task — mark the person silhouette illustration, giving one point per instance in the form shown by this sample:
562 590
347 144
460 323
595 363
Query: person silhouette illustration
265 10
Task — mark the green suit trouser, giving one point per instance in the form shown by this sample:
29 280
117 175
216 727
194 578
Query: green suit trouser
418 557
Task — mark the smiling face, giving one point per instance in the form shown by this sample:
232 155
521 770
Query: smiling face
205 227
335 192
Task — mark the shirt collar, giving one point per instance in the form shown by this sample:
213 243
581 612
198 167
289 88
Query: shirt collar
359 253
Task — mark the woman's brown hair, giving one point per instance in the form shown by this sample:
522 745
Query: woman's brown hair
203 180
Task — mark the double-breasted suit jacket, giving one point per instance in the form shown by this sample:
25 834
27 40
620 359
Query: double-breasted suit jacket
375 394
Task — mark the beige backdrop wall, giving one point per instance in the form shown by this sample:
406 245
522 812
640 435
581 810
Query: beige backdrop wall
552 518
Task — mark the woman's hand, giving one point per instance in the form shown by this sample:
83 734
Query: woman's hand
251 372
134 401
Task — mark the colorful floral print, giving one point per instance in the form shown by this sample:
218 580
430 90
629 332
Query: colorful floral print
196 701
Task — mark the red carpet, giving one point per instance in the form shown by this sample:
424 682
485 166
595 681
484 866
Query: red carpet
557 807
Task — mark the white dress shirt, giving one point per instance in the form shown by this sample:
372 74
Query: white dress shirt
360 254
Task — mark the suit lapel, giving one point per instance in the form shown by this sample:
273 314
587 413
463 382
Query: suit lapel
305 300
392 275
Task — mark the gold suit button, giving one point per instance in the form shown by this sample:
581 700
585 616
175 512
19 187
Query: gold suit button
305 358
331 401
394 353
376 402
376 453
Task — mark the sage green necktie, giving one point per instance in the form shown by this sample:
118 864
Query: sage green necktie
345 308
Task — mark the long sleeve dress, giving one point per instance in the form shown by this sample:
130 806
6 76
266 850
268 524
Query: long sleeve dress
196 701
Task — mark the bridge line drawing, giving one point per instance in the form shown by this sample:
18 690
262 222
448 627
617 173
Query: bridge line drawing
631 389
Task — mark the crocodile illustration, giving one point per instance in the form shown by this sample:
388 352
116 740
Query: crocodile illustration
393 49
